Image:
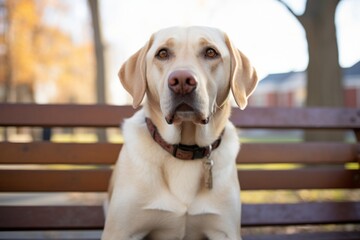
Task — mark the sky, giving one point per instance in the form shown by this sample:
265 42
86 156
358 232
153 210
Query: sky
264 30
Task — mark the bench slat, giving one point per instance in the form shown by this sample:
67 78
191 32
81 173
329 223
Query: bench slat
300 213
59 153
297 236
96 180
296 118
63 115
253 215
107 153
111 116
307 153
51 217
304 236
314 178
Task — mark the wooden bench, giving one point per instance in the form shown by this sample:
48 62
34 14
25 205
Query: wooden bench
310 165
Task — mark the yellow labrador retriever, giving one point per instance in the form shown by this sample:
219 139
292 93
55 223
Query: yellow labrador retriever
176 176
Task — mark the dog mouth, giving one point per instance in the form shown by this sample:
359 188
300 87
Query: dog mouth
185 112
184 108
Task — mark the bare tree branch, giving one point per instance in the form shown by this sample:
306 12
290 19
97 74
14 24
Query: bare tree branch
298 17
288 8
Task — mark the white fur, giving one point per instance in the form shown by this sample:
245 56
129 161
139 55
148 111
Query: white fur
179 201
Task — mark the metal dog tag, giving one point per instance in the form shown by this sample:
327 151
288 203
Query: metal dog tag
208 165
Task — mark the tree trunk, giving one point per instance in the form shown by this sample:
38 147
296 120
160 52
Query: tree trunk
323 72
100 61
324 76
7 57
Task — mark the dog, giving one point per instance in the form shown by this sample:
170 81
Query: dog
176 176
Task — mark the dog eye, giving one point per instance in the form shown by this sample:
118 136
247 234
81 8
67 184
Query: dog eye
163 54
211 53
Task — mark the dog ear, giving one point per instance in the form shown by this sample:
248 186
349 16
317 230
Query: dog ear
243 77
132 74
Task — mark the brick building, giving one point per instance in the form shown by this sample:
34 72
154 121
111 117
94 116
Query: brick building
289 89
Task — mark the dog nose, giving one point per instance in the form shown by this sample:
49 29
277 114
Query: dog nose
182 82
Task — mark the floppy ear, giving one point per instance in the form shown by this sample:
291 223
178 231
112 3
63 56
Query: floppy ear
132 75
243 77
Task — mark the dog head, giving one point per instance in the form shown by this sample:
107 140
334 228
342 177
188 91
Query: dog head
188 73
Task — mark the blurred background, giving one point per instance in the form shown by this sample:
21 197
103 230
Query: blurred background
63 51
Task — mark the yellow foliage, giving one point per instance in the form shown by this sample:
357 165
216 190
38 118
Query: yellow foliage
23 20
45 57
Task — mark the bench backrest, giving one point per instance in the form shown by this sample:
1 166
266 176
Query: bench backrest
315 165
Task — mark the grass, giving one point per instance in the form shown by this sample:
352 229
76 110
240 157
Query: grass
306 195
75 138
